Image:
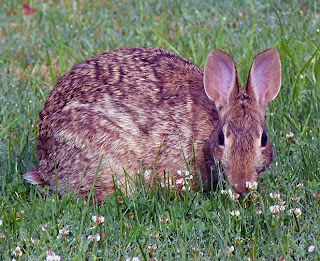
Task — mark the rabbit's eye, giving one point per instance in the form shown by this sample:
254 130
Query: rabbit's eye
221 138
264 139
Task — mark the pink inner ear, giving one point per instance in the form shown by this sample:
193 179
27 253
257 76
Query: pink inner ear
226 76
219 76
265 76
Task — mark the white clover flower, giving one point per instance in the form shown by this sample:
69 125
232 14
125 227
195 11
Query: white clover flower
290 135
274 195
20 214
98 219
235 213
295 199
276 209
2 236
195 249
180 181
120 199
281 202
316 195
133 259
297 212
35 240
94 238
311 248
299 185
252 185
131 216
234 196
230 249
254 197
186 188
152 248
155 235
190 177
258 211
1 222
238 240
43 227
17 251
51 256
63 232
224 192
164 219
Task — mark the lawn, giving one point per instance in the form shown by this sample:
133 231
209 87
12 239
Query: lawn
42 40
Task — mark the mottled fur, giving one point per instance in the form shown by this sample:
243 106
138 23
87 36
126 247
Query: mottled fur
131 105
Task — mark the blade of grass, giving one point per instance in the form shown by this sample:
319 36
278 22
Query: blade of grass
84 214
8 126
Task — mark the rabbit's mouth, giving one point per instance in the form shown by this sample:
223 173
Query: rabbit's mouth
243 191
239 181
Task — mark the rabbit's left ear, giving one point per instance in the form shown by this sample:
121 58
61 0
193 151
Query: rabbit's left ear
264 78
220 78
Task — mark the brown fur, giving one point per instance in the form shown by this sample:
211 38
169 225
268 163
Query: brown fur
131 105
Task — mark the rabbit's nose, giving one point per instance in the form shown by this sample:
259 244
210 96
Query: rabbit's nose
240 189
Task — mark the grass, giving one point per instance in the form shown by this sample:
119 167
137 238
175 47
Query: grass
38 48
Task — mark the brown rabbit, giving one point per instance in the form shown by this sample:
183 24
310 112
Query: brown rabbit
143 106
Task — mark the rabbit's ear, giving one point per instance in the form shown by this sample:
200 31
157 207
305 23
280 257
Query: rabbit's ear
264 78
220 78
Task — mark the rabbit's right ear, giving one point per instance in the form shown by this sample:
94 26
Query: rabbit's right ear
264 79
220 78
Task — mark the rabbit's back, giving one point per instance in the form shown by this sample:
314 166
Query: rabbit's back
131 106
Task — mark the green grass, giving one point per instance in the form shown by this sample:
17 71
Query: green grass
37 49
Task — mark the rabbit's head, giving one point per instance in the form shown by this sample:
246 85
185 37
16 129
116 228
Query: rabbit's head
240 143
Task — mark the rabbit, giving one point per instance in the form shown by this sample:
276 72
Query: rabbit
148 108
